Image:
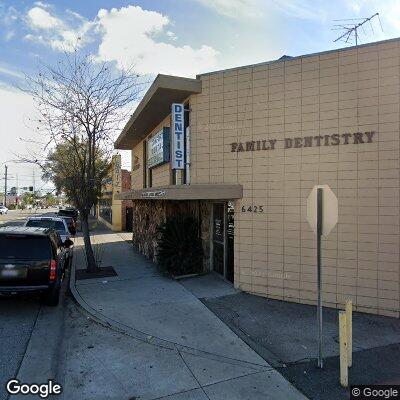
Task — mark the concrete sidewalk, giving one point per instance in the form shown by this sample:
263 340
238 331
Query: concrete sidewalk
193 353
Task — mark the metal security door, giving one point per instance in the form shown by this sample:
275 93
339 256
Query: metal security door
218 238
222 239
229 241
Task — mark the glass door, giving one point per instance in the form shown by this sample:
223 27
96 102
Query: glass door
223 239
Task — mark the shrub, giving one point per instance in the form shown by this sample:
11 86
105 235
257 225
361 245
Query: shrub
180 250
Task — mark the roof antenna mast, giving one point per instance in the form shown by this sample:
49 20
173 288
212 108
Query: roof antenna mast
351 28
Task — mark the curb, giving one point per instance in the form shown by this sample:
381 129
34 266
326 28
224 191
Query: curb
143 337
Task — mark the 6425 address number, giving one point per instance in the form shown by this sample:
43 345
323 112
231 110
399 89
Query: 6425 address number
253 209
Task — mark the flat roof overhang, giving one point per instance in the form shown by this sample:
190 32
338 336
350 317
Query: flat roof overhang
154 107
186 192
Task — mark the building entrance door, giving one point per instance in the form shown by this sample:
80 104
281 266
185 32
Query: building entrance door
222 239
230 229
129 219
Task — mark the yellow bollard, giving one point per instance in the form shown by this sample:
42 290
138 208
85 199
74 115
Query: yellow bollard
344 380
349 322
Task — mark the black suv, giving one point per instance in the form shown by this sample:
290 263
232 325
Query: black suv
69 212
32 260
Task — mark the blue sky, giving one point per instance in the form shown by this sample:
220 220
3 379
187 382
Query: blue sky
181 37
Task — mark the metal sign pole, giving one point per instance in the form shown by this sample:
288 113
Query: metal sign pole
319 309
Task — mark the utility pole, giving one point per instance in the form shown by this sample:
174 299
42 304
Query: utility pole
17 193
5 185
34 196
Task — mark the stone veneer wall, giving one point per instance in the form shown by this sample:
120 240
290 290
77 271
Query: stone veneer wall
148 215
205 227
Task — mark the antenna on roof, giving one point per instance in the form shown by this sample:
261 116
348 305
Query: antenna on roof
351 28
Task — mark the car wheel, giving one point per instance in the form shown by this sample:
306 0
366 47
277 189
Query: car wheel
52 297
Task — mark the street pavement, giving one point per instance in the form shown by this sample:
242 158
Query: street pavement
14 217
18 217
17 318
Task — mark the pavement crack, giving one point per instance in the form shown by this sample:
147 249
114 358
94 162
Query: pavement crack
238 377
192 373
230 361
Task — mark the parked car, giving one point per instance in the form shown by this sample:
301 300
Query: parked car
3 210
69 212
32 260
55 223
71 224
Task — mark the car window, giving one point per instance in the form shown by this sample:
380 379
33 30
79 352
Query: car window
59 226
66 212
25 247
47 223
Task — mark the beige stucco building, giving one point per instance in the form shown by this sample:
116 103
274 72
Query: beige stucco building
113 212
261 137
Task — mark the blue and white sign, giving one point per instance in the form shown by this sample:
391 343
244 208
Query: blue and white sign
178 136
158 148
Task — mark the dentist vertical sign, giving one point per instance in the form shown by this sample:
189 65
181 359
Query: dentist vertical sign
178 136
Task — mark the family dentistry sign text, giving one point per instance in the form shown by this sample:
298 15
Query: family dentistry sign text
307 141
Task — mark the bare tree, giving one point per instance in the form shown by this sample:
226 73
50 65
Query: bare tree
81 104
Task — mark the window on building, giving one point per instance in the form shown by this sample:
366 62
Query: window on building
144 164
105 209
150 178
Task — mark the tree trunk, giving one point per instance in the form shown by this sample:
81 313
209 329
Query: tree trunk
90 260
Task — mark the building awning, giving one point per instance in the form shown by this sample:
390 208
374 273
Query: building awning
154 107
186 192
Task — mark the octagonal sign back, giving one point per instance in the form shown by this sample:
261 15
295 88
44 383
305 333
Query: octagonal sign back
329 209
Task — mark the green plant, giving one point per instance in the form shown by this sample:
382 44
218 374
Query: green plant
179 246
